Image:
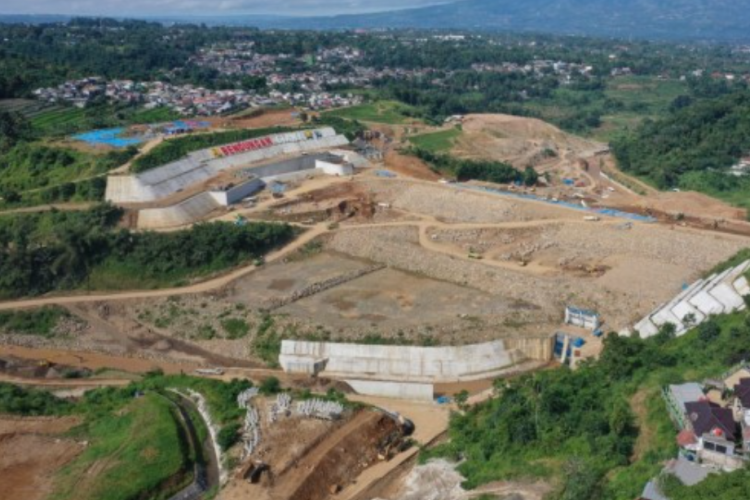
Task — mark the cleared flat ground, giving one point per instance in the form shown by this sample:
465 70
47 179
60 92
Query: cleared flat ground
280 280
394 299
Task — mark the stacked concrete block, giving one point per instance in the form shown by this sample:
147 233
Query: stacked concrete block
718 294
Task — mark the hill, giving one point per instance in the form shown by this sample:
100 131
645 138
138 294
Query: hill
693 147
661 19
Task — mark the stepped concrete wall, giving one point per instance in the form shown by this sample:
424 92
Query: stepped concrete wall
718 294
183 213
203 165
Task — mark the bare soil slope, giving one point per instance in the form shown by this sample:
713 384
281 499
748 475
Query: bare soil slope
518 140
31 453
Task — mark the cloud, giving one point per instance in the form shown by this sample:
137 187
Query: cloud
207 7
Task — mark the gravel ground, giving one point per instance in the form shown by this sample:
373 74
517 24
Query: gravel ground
454 205
650 263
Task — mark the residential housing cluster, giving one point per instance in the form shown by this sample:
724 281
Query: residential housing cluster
713 423
187 100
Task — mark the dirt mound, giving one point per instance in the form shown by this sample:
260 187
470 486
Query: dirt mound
409 166
519 141
29 457
337 461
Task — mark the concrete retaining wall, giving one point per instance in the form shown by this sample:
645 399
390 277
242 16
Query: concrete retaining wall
718 294
203 165
413 364
397 390
237 193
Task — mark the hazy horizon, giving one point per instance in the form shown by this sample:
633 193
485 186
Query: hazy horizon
204 8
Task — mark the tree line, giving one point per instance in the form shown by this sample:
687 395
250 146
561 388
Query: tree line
43 252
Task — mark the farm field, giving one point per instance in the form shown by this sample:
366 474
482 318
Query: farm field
436 142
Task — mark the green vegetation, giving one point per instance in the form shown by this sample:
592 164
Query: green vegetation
270 386
31 402
350 128
389 112
693 147
229 435
582 427
482 170
41 252
144 445
236 328
62 121
54 170
58 120
220 396
40 322
716 487
436 142
175 149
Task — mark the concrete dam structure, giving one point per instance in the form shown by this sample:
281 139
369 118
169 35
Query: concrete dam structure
200 166
407 371
718 294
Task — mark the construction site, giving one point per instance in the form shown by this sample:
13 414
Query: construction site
401 290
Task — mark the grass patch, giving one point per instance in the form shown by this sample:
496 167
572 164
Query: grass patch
155 115
436 142
235 328
389 112
57 119
52 171
41 322
138 451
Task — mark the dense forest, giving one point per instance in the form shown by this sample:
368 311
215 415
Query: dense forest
580 426
43 252
697 140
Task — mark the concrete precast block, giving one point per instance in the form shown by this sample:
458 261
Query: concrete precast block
646 328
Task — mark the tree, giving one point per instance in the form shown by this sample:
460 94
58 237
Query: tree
708 331
269 386
462 399
530 176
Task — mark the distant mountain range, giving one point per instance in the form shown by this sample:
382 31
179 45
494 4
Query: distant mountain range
659 19
655 19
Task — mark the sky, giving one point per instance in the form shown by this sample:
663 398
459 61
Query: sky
204 7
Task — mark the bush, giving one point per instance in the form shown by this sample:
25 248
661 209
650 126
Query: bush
36 322
270 386
31 402
236 328
228 436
